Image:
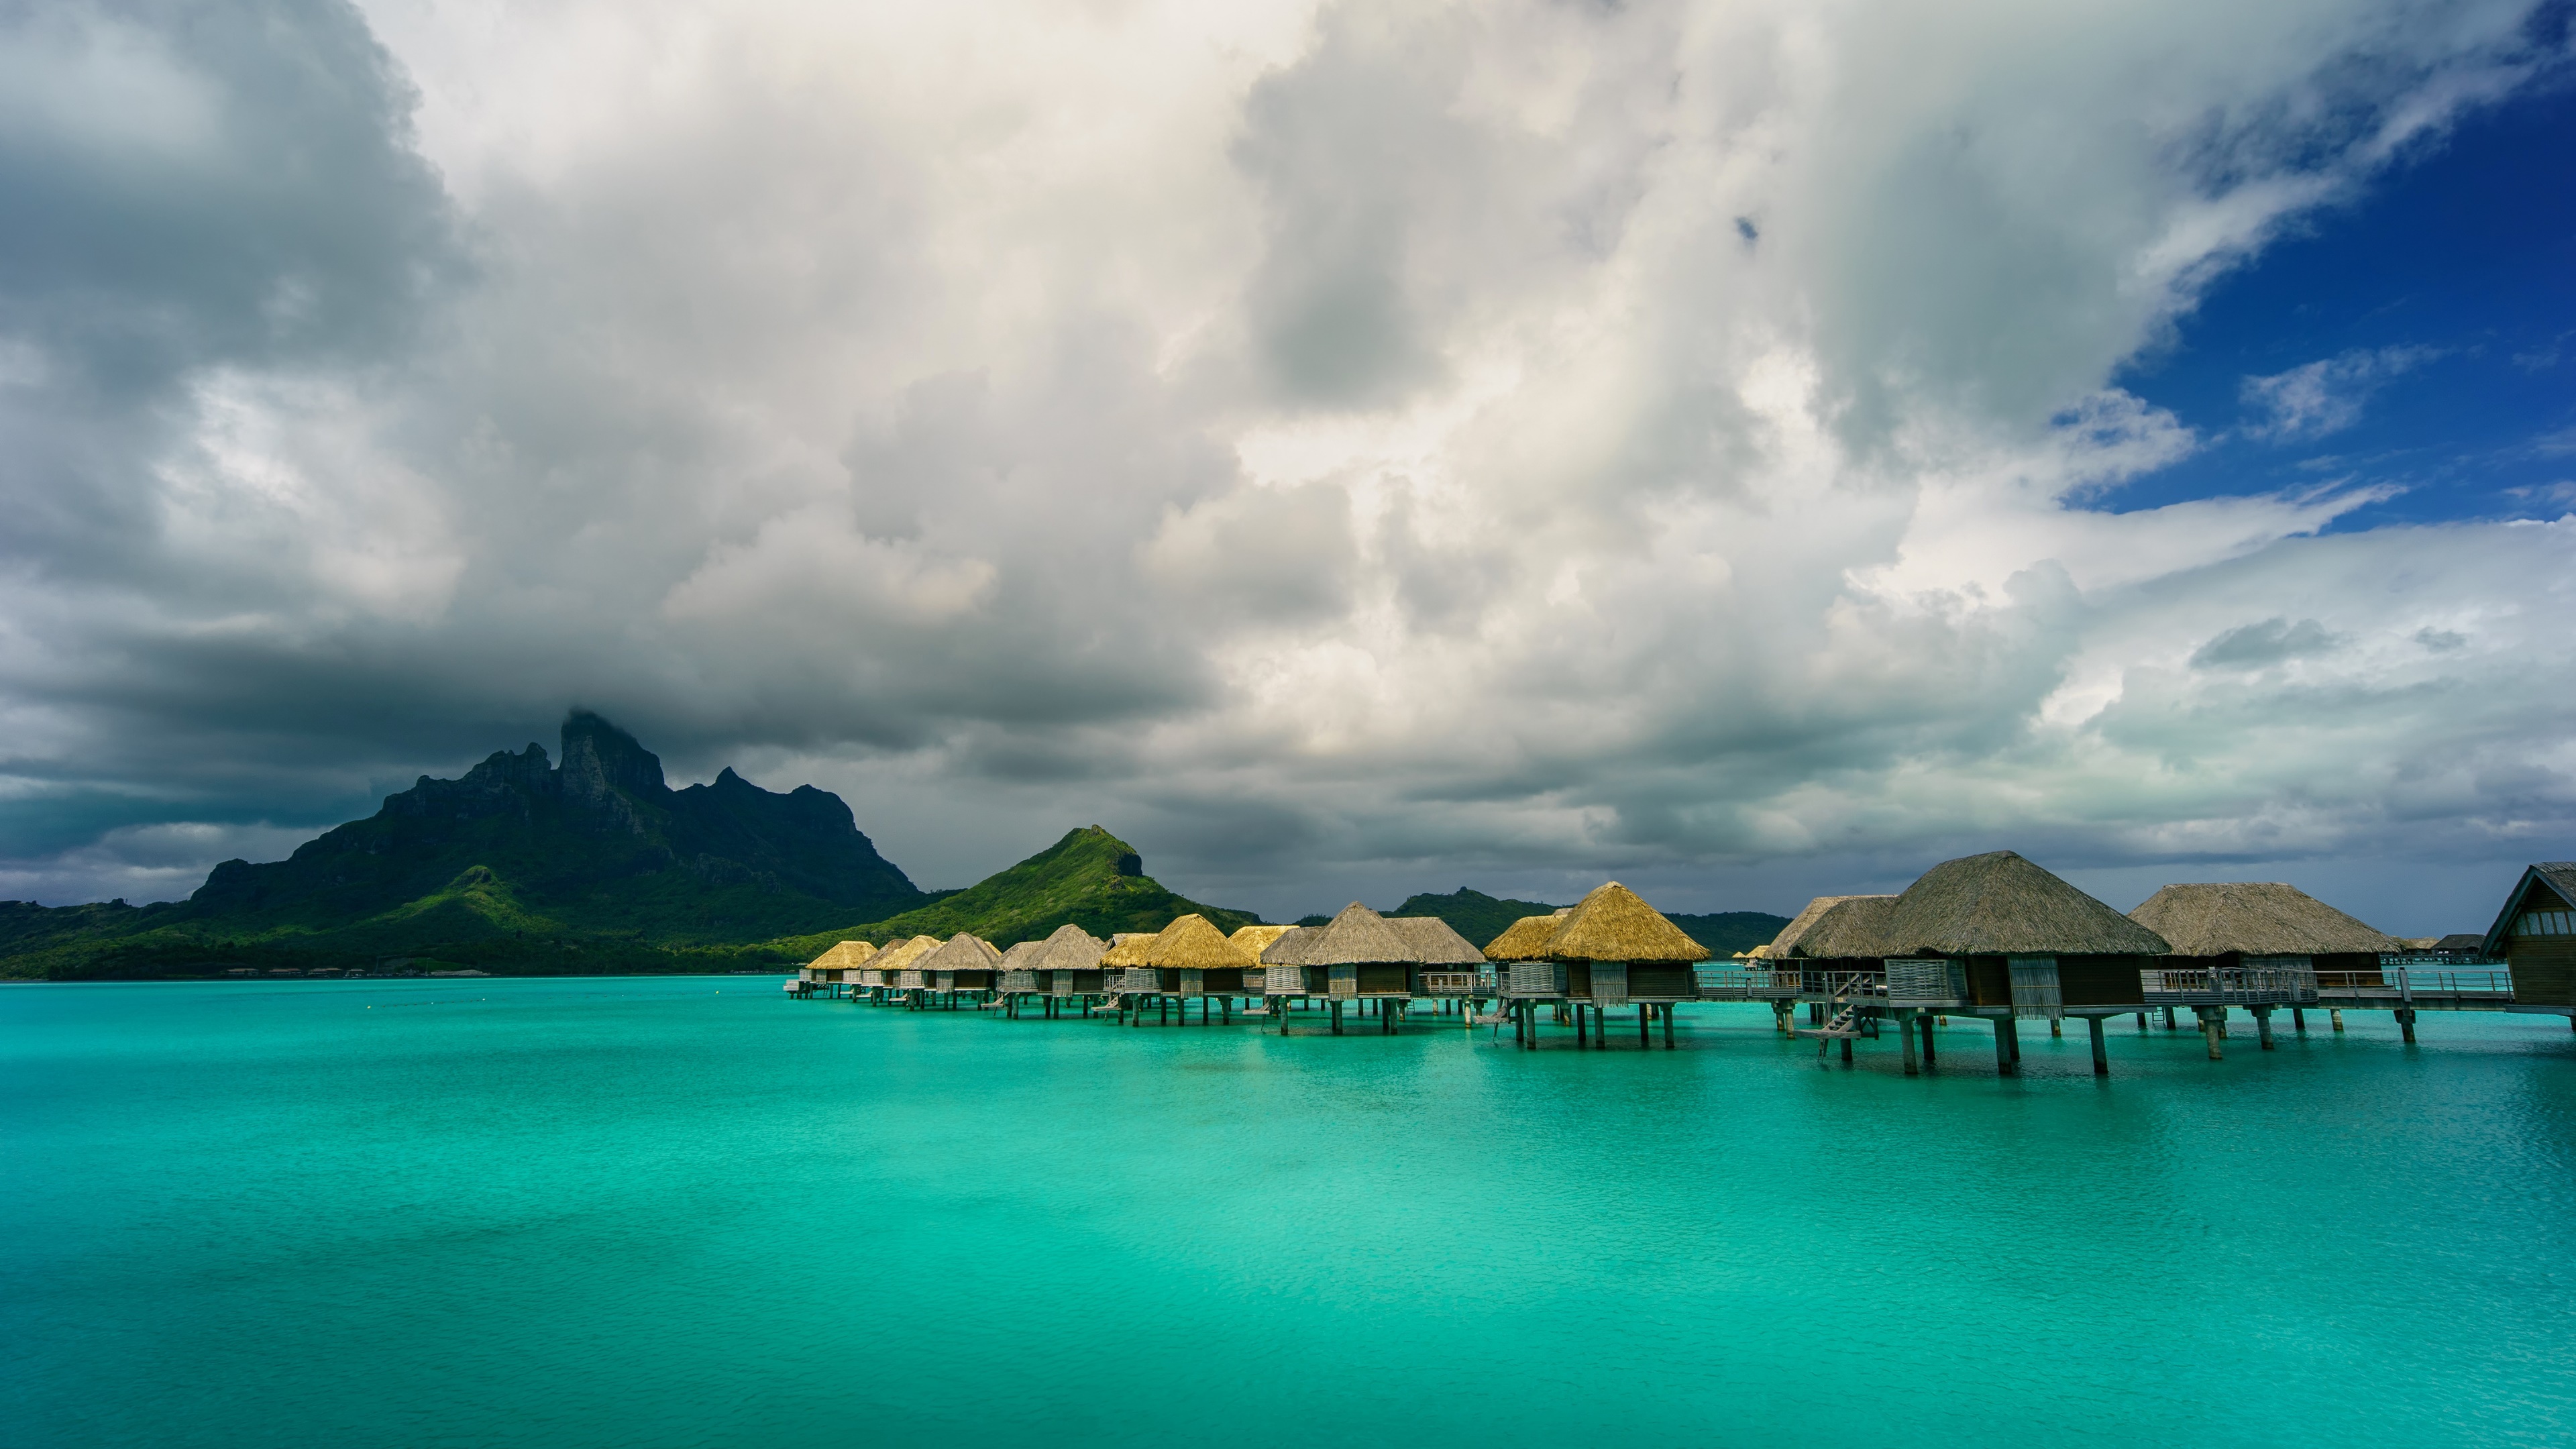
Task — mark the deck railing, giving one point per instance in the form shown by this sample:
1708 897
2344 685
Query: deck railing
1749 983
2438 983
2229 986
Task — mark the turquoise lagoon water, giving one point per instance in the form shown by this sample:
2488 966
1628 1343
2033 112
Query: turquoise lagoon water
691 1212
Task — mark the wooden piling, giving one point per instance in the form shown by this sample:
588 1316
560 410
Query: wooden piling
1905 1033
2101 1049
1668 1025
2299 1020
2003 1047
2406 1023
1928 1020
2209 1031
2336 1015
2262 1026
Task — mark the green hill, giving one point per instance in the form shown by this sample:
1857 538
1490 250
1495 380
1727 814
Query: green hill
1472 914
1090 878
1728 932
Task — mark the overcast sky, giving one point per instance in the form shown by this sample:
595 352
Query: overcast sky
1748 449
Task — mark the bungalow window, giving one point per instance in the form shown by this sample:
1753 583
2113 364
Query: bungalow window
2548 923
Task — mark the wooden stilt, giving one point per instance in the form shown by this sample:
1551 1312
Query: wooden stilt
2335 1014
2263 1026
1846 1051
2299 1020
2209 1031
2142 1023
2057 1026
2003 1048
1905 1031
2101 1050
1645 1024
2406 1024
2169 1021
2012 1033
1582 1034
1337 1016
1927 1019
1668 1025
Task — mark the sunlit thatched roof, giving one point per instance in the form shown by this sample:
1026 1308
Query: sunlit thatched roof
1193 943
1614 924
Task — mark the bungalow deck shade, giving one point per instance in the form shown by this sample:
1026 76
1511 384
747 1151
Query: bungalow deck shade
1999 904
1356 937
1526 938
1193 943
1433 943
1613 924
2255 918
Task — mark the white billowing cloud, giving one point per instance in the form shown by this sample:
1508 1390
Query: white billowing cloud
1340 447
2326 396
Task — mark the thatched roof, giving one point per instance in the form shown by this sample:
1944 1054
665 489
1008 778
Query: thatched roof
1285 951
1127 948
1839 927
1022 956
1257 939
1999 904
1069 948
1358 936
1614 924
842 957
1526 938
1433 942
903 955
962 952
1193 943
2257 918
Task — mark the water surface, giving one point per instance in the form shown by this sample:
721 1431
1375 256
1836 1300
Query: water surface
690 1212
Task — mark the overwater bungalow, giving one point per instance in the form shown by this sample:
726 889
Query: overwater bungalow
2535 936
895 972
2259 945
1068 967
1252 941
965 965
1833 939
1194 961
1125 978
1996 936
1446 966
1617 952
836 969
1358 957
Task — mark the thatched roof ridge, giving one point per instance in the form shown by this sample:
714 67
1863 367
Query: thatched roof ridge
1286 951
1193 943
1069 948
1999 904
1434 942
1022 956
903 955
1257 939
2256 918
962 952
1835 928
842 957
1615 924
1526 938
1127 948
1356 937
